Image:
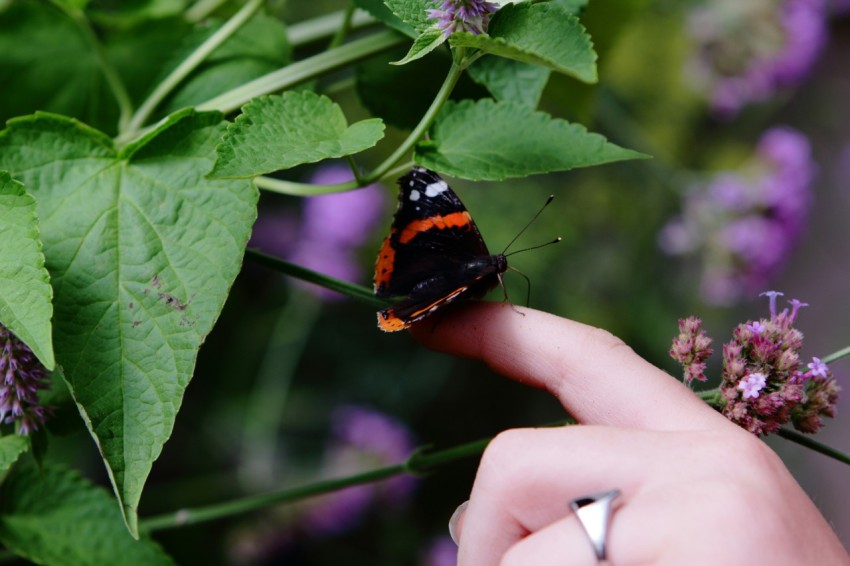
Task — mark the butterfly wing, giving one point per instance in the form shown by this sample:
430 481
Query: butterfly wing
465 280
432 234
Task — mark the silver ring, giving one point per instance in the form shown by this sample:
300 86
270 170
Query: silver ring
594 515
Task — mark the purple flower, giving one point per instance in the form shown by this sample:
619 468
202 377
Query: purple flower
763 385
21 378
463 15
691 348
751 385
742 225
747 51
817 368
361 439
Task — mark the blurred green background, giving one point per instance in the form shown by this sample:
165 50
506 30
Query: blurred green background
281 361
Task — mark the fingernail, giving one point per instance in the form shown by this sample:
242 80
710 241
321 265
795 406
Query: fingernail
453 522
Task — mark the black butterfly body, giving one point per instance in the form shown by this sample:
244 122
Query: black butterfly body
433 255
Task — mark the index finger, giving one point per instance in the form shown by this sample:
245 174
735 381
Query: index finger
596 376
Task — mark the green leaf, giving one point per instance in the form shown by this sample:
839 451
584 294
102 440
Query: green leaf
142 251
278 132
258 48
427 42
486 140
57 517
378 10
25 293
542 34
11 448
507 79
412 12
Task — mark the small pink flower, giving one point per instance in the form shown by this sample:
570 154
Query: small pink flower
818 368
752 385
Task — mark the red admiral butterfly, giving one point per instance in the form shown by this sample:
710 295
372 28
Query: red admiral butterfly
433 255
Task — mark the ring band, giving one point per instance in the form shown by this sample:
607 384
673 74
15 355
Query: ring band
594 515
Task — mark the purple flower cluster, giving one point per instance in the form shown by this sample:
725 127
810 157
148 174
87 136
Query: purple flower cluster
765 384
743 224
691 348
747 51
362 439
332 228
463 15
21 378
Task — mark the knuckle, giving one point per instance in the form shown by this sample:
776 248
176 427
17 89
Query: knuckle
502 459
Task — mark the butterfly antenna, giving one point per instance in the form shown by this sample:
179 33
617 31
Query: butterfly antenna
555 241
533 218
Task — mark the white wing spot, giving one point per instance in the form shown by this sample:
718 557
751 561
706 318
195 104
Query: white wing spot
414 195
434 189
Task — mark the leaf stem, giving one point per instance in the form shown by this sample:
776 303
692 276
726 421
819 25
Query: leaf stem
302 189
202 9
323 26
304 70
418 463
843 353
116 85
804 440
296 189
344 287
711 396
190 64
419 131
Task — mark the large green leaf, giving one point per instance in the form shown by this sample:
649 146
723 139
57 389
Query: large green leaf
488 140
142 251
54 516
542 34
278 132
25 293
507 79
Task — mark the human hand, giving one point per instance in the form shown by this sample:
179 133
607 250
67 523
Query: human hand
695 487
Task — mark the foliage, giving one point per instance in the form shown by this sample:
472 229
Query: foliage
136 137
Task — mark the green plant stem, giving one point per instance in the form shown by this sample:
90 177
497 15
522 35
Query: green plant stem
843 353
302 189
292 188
711 396
116 85
349 289
344 27
305 70
190 64
202 9
323 26
418 463
804 440
185 517
419 131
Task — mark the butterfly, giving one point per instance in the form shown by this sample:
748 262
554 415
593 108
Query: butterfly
434 254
